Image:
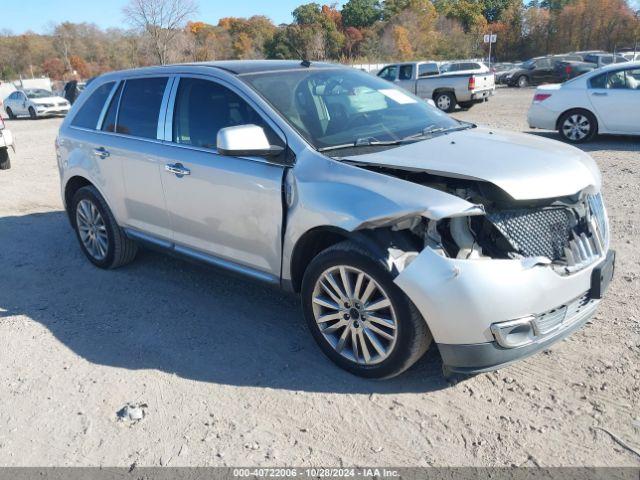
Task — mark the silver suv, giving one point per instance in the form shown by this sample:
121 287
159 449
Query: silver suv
398 225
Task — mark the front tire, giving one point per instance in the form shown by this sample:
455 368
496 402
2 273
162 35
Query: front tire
10 114
358 316
523 81
577 126
445 101
101 239
32 113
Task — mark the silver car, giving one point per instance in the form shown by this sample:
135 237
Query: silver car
399 226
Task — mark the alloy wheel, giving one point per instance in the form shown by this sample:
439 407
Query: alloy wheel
576 127
443 102
92 229
355 315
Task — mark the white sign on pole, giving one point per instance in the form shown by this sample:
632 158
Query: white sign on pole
490 38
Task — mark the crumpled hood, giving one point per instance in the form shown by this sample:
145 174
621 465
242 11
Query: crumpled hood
525 166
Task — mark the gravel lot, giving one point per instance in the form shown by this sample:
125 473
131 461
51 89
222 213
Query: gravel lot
230 376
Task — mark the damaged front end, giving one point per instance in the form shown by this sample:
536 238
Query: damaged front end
568 233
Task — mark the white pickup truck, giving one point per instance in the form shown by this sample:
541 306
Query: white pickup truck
447 90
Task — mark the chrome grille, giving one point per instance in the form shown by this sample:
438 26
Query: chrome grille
545 232
565 314
574 236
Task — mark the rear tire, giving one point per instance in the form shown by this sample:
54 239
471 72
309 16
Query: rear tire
10 114
101 239
5 162
390 334
32 113
445 101
577 126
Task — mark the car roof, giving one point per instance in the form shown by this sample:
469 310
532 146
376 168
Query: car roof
241 67
614 66
234 67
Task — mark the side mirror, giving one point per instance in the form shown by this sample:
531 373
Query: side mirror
245 141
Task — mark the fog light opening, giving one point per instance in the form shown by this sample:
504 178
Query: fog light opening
514 333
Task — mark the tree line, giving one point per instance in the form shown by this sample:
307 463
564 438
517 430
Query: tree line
374 31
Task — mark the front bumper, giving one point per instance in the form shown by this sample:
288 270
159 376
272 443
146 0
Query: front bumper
57 110
483 357
461 299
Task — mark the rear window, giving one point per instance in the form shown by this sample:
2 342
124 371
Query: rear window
140 107
87 116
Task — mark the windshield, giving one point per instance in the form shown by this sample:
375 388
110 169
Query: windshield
332 108
38 93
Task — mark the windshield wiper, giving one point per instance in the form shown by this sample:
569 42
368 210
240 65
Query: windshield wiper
429 132
362 142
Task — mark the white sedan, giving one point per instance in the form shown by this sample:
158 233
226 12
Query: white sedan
35 102
606 100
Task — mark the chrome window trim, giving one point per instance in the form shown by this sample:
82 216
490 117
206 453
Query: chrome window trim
120 135
107 102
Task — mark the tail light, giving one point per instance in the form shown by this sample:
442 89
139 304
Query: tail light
540 97
567 69
472 82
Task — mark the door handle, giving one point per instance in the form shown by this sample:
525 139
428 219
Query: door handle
599 94
178 169
101 152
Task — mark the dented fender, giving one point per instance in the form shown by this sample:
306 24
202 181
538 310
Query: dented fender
322 192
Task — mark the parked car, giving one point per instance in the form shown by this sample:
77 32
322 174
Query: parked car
35 103
6 142
464 67
566 70
397 225
538 71
505 71
631 56
425 80
606 100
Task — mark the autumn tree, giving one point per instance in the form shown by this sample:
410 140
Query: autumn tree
361 13
160 21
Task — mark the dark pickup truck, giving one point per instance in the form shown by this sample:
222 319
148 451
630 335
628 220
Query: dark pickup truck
568 69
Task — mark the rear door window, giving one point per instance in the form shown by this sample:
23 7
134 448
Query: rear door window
89 113
406 72
140 107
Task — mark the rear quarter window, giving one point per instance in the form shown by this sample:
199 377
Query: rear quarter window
87 116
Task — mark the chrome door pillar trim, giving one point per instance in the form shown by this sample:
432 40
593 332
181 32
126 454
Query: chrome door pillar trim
164 111
167 124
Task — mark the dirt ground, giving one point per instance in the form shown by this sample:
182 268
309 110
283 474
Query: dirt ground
230 376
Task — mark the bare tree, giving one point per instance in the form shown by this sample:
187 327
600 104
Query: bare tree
160 20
